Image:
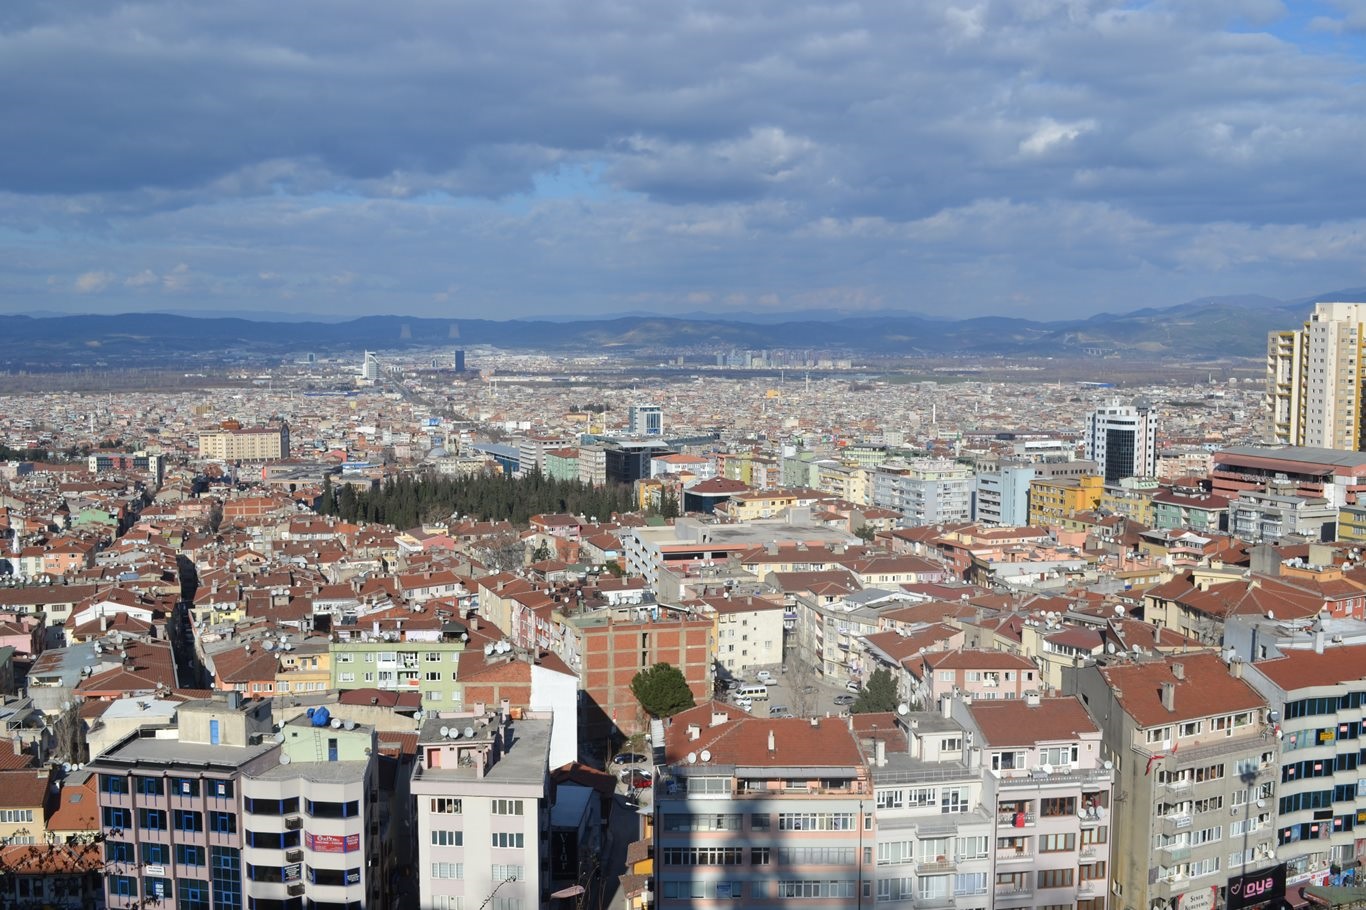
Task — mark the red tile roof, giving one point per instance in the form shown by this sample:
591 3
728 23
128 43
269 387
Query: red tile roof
1208 688
1015 722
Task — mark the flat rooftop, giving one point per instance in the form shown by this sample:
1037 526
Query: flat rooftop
155 750
524 758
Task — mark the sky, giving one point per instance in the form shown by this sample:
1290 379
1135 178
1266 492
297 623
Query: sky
459 158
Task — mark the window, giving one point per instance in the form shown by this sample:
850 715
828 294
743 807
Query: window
1192 727
1054 807
1159 735
112 783
288 806
444 838
158 889
446 805
760 822
1056 843
194 894
506 807
507 872
333 876
433 676
704 856
152 819
189 855
117 817
973 847
1055 878
156 854
759 856
816 821
346 677
118 851
448 870
273 840
150 786
953 799
891 799
323 809
223 822
701 822
184 786
505 839
225 876
123 886
185 820
970 883
221 789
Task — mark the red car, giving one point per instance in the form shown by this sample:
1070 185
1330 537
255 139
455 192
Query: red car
637 780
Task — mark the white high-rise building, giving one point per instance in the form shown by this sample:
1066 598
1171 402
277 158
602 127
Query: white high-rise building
1122 440
1314 382
646 420
369 368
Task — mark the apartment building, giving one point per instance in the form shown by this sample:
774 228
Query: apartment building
219 811
931 492
251 444
394 662
481 812
608 647
1193 755
1314 379
533 448
771 812
983 674
1051 792
1315 696
935 836
749 631
1001 497
1052 499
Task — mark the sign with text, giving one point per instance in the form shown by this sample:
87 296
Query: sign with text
1253 888
332 843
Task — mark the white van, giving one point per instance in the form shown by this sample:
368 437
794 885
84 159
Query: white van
752 692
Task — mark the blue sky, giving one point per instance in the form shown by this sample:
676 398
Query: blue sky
1042 158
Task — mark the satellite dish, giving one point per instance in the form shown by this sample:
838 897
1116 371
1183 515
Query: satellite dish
1046 768
445 731
692 758
350 725
488 649
279 737
1109 765
455 733
66 767
284 759
270 646
469 733
336 723
1119 609
706 755
903 709
418 717
1261 803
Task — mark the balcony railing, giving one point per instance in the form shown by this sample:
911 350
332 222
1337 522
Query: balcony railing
1008 819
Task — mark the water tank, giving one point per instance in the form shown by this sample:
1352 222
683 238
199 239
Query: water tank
320 717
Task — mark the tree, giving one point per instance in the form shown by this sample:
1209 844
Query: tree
878 694
865 533
662 690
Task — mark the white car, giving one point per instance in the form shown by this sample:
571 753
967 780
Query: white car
764 677
744 703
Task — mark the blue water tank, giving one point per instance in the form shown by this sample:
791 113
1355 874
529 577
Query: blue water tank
321 717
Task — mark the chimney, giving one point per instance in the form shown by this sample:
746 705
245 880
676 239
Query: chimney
1157 636
1235 667
695 732
1169 696
1032 700
1318 641
946 705
880 753
1179 671
474 622
772 746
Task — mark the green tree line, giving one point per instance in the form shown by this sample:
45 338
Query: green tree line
406 502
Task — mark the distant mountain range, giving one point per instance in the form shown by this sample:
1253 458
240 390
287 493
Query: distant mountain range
1215 327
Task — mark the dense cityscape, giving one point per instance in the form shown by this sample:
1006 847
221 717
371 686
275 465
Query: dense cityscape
483 627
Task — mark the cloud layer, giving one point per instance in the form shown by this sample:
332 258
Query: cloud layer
435 157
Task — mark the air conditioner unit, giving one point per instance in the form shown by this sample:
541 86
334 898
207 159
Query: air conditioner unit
296 888
293 822
294 856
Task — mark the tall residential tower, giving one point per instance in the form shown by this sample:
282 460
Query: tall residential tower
1122 440
1314 383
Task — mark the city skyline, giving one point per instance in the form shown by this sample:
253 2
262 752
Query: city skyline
1058 159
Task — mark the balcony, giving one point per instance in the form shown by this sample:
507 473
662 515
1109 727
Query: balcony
1007 857
1014 892
1009 820
940 865
1170 824
1168 856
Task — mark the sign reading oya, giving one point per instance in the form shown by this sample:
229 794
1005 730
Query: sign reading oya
1253 888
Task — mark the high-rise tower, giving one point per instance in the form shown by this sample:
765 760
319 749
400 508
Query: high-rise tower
1122 440
1314 382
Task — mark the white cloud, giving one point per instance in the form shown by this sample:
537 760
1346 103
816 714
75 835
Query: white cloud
93 282
1049 134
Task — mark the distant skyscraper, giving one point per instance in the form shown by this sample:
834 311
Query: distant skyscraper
369 369
460 360
646 420
1122 440
1314 381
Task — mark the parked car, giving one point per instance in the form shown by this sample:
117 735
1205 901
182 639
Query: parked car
853 686
629 758
764 676
844 699
780 711
637 779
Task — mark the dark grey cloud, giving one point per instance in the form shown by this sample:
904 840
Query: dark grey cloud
444 156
